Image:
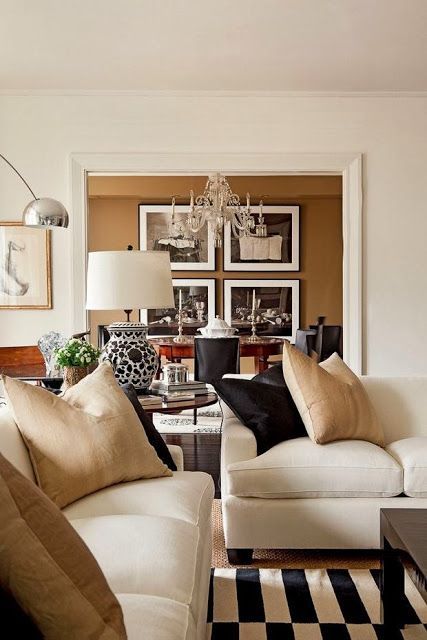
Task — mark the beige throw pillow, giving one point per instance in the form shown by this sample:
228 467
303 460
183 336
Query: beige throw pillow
330 398
89 438
48 569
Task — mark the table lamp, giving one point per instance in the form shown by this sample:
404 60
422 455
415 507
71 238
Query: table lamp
130 280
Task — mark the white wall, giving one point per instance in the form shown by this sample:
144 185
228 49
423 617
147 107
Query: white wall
38 133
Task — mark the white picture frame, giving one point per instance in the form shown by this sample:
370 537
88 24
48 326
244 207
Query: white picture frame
286 232
163 328
154 234
246 287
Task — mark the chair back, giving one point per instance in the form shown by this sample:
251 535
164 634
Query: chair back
214 357
328 341
305 340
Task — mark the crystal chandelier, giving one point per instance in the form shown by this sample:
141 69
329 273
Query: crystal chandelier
217 206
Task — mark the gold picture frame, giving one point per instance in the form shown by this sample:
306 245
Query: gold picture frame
25 267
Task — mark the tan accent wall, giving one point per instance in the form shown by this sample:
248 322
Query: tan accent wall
113 224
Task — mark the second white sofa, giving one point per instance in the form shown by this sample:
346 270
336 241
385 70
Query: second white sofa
304 495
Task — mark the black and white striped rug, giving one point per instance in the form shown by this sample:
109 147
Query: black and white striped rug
297 604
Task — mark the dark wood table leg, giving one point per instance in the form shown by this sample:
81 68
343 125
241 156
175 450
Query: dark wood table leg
262 364
392 591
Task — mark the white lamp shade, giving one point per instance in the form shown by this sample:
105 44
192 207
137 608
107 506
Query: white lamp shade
129 280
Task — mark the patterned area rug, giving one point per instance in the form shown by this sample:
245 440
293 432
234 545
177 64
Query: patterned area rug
208 421
298 604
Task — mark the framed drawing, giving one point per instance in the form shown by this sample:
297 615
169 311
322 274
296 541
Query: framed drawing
198 305
25 270
160 231
276 306
278 250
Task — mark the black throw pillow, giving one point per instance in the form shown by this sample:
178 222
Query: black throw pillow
266 409
154 437
273 375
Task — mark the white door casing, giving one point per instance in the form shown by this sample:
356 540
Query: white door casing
348 165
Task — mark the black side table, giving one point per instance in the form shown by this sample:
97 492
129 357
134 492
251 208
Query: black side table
404 543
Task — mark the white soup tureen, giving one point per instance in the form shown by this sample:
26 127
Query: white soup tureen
217 328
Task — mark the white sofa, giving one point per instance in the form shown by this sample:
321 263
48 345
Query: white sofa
303 495
151 538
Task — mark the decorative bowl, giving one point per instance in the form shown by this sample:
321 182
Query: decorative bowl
217 328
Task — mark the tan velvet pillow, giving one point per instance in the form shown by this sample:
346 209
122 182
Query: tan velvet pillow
330 398
89 438
48 569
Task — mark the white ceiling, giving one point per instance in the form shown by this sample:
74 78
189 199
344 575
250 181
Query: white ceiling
220 45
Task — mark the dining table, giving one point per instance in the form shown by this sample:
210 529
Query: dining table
260 351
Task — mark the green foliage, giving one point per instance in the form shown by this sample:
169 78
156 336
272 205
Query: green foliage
77 353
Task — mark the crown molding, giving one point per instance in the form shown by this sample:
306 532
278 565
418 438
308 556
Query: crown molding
208 93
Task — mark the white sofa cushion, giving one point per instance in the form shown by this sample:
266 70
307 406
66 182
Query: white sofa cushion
411 454
153 617
144 554
300 468
185 496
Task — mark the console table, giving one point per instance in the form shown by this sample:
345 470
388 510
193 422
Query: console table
260 351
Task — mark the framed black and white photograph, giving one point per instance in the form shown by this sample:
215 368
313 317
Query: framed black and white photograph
159 230
275 304
25 268
198 307
277 249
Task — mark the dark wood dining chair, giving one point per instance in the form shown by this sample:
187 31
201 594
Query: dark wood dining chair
213 358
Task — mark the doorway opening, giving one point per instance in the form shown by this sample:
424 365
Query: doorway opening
116 204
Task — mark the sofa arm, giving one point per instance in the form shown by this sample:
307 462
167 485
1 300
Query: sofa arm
238 443
177 456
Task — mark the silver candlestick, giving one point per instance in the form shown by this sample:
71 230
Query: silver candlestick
253 337
180 337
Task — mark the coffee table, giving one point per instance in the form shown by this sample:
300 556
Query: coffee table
404 543
174 407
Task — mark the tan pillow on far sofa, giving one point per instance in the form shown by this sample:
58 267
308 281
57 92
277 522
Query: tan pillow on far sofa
89 438
48 569
330 398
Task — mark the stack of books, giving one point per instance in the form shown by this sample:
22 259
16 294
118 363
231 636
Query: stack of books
193 387
172 395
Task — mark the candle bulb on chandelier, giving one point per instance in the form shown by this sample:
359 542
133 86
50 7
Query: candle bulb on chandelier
191 200
180 300
248 202
253 300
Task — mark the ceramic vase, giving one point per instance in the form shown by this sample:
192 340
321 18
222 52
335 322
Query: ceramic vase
134 360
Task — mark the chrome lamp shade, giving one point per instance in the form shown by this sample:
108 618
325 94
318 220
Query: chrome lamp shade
45 212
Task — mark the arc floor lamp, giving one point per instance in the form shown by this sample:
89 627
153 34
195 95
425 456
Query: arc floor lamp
41 212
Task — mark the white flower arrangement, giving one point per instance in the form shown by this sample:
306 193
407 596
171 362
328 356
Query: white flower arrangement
77 353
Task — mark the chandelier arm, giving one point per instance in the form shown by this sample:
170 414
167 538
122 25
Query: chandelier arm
20 176
238 231
239 222
201 217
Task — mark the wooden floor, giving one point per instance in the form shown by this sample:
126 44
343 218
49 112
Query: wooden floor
201 452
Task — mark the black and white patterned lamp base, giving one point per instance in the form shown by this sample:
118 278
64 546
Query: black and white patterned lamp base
133 358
